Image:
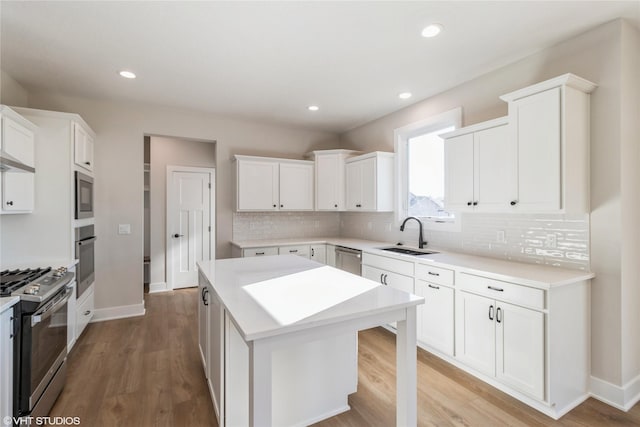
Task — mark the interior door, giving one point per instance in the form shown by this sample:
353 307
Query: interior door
189 225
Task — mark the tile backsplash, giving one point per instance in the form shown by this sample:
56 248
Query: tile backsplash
550 239
284 225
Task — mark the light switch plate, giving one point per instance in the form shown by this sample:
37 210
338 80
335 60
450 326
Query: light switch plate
500 238
124 228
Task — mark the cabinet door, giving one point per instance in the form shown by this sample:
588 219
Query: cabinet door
331 255
215 364
520 348
257 186
79 145
458 183
537 127
18 141
329 191
475 332
495 174
6 364
435 316
319 253
18 191
203 320
368 183
71 316
353 175
88 153
296 186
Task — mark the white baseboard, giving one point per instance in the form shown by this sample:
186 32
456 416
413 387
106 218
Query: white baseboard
121 312
622 398
158 287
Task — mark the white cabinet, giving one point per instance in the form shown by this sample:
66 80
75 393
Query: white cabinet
319 253
500 339
84 310
268 184
369 182
300 250
260 251
330 178
480 169
6 363
83 147
71 318
331 255
17 140
215 362
435 317
550 127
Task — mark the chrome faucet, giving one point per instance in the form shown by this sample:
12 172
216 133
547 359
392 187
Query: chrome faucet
421 241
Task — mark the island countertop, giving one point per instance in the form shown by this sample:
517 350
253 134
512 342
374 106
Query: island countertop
273 295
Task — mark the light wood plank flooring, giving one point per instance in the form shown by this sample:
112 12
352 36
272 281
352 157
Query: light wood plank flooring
146 371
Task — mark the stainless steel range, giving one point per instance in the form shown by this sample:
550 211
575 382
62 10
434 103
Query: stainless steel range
40 347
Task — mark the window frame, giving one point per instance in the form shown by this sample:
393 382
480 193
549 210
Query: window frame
401 138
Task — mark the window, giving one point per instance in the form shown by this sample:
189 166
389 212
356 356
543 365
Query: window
420 169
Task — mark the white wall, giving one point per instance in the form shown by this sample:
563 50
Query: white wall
170 152
120 129
602 55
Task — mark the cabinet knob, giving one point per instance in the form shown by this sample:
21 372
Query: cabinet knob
87 163
10 202
475 203
282 206
88 312
335 206
468 203
275 206
513 202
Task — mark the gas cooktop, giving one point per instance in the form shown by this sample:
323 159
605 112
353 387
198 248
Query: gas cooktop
37 284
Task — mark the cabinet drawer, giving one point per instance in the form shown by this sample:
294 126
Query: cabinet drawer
259 251
301 250
389 264
502 291
440 276
84 311
388 278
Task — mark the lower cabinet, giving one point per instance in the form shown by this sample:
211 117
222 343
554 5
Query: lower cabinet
300 250
319 253
331 255
502 340
6 363
84 311
71 318
435 317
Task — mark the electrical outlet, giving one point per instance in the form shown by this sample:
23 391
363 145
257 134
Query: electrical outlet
500 237
551 241
124 228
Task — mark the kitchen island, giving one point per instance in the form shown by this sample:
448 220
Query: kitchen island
282 334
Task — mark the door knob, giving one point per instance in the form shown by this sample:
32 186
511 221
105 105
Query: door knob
177 235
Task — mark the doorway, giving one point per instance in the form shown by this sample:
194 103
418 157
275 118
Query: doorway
189 155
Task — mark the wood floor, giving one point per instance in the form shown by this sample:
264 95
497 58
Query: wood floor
146 371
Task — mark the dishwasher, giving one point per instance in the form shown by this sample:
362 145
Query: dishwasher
349 259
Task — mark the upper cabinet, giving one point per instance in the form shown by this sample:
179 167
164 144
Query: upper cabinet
17 152
268 184
369 182
534 160
479 166
330 178
550 127
83 147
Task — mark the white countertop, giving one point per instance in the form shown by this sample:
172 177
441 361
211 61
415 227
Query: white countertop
534 275
272 295
7 302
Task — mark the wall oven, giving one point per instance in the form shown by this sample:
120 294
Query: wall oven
85 254
84 196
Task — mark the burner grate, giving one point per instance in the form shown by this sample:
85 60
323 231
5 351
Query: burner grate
11 280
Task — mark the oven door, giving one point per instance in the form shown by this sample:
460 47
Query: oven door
84 196
47 347
85 254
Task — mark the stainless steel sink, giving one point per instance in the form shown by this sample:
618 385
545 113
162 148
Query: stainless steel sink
408 251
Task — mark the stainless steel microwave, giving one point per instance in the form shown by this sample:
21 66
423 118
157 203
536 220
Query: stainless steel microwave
84 196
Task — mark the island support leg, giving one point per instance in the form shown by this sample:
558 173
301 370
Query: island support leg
260 371
406 371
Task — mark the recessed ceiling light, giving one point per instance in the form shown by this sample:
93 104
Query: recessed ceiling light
431 30
404 95
313 108
128 74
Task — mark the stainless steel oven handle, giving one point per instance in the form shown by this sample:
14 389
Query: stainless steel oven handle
47 311
86 241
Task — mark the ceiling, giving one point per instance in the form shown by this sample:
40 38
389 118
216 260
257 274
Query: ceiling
269 60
